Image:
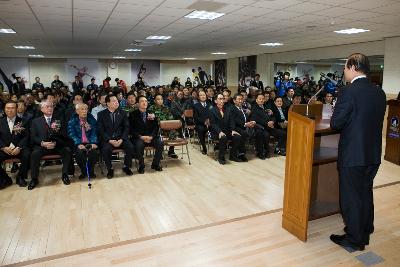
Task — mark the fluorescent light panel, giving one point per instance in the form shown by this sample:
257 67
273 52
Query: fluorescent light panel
202 14
36 55
133 50
272 44
24 47
7 31
189 58
158 37
219 53
351 31
119 57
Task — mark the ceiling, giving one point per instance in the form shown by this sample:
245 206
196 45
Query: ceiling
104 28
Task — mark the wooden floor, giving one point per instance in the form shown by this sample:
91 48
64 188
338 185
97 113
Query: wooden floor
204 214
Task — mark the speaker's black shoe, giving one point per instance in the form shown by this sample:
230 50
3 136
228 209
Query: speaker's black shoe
127 171
110 174
32 184
366 241
156 167
236 159
141 169
343 241
65 179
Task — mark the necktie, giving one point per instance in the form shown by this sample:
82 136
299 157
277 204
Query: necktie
84 137
113 118
144 117
48 120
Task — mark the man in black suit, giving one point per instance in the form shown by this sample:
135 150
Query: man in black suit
77 85
239 124
220 123
358 115
48 136
145 132
113 128
265 127
257 83
202 119
14 144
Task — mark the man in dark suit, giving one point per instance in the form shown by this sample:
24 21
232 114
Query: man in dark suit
202 119
77 85
265 127
145 132
239 124
220 128
48 136
113 128
14 144
257 83
358 115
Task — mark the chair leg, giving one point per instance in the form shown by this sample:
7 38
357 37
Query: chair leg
187 153
182 152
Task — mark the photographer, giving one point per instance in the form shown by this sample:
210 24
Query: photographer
82 129
283 82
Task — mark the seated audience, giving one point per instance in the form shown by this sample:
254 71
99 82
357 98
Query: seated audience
113 128
145 132
102 105
82 129
202 119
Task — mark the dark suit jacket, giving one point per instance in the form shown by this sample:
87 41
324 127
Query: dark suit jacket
200 113
238 119
40 131
259 85
140 128
108 131
358 114
218 123
19 139
277 116
260 116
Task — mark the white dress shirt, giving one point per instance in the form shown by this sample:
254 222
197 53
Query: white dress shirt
358 77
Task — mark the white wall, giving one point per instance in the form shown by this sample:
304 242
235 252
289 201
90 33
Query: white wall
46 69
391 72
182 69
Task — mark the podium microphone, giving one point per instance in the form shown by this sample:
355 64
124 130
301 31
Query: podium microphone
314 96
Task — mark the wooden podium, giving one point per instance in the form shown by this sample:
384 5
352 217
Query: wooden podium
392 150
311 187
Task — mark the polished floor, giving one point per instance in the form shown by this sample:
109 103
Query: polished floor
202 214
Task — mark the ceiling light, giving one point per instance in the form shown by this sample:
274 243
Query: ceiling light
301 62
119 57
36 55
158 37
202 14
272 44
7 31
219 53
133 50
23 47
343 59
189 58
351 31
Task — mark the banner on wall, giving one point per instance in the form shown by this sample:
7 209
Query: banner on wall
86 69
148 70
9 66
247 70
220 72
304 70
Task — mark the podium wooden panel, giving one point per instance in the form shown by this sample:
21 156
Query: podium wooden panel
311 187
392 150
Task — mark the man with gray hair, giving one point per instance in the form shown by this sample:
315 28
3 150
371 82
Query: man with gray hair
48 136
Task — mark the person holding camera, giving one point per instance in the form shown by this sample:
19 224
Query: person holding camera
113 127
82 129
283 82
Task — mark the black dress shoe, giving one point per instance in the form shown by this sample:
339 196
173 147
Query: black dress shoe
127 171
282 152
172 155
236 159
221 161
110 174
141 169
366 241
82 176
65 179
243 158
21 182
204 151
156 167
343 241
33 184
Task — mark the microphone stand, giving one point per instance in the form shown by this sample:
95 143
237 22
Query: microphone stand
309 101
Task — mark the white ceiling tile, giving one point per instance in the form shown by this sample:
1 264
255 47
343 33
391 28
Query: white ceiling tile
276 4
133 8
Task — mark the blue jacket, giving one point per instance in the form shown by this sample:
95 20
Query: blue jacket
282 87
75 131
